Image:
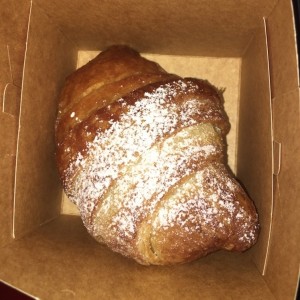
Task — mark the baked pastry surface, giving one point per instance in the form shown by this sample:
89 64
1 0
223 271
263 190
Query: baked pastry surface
142 153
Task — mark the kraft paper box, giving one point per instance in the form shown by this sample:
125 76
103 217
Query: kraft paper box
246 47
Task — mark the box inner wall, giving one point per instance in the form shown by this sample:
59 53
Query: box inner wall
59 59
80 23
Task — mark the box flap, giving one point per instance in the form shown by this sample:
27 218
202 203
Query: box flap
158 27
284 255
255 138
37 199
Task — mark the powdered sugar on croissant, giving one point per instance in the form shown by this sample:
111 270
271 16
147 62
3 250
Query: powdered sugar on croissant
141 153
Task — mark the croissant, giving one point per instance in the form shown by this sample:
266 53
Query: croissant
142 154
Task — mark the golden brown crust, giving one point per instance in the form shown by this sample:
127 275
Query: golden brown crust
109 66
141 152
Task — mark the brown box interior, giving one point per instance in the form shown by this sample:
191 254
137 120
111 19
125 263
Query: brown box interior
249 49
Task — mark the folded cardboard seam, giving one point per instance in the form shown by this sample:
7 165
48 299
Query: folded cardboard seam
18 126
7 163
10 95
255 137
277 154
273 154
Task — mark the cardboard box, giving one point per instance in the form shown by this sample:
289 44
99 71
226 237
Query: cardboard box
248 47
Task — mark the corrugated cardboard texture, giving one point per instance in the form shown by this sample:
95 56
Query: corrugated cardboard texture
209 28
255 137
222 72
66 263
48 60
284 257
282 49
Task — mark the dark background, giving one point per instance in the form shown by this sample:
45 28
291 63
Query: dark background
296 4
